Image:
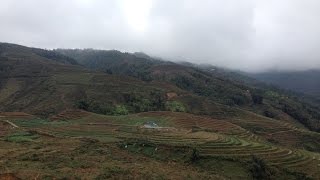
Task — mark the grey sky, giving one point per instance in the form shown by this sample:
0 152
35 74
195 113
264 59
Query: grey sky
252 35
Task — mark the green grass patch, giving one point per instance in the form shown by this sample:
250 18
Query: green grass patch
99 135
32 123
19 137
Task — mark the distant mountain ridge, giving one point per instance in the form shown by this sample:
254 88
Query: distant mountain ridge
307 82
215 84
47 82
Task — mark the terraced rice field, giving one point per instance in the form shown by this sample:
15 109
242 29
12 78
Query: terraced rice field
212 138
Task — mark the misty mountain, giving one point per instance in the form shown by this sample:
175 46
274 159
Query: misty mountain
307 82
159 89
46 82
217 85
61 86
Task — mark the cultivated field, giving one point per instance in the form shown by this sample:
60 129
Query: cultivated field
81 145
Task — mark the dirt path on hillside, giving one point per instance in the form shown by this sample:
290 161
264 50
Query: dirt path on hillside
11 123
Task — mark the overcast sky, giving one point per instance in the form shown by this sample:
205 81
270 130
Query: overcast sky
252 35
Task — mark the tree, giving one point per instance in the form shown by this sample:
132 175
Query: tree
257 99
120 110
83 104
259 169
195 155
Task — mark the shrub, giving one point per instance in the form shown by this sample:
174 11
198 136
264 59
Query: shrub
259 169
239 99
195 155
269 114
120 110
257 98
175 106
83 104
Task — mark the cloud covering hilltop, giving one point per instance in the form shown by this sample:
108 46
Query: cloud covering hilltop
248 35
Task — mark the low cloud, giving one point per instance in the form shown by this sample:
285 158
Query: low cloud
248 35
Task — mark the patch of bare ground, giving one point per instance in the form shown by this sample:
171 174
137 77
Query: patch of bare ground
70 115
8 176
15 115
4 128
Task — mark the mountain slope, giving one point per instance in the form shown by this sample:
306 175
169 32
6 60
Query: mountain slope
307 82
202 117
213 84
47 83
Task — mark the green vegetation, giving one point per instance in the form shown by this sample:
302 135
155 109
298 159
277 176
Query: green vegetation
175 106
222 86
34 123
120 110
20 137
235 128
299 81
130 103
257 98
118 147
139 83
82 104
259 169
195 155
